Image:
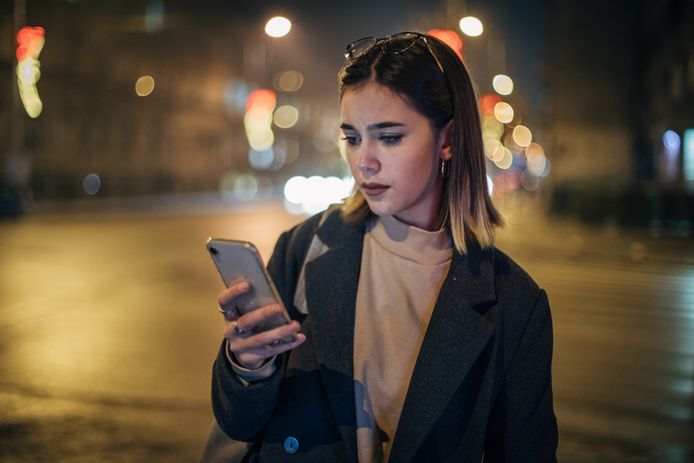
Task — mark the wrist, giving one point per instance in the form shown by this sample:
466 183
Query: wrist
235 360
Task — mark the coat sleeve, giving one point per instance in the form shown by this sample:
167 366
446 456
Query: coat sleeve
522 426
242 411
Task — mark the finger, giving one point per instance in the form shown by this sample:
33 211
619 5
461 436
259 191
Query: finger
262 353
250 320
273 337
226 297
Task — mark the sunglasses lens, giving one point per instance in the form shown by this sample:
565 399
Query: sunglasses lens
359 47
398 43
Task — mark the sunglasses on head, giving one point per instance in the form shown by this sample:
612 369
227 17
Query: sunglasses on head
392 44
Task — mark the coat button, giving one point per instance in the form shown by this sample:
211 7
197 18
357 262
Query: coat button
291 445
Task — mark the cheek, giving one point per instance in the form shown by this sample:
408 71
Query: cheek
420 170
352 159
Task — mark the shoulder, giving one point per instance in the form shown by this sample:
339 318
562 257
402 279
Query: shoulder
510 276
518 295
293 244
301 234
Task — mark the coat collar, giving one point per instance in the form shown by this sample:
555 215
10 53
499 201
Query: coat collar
455 338
331 281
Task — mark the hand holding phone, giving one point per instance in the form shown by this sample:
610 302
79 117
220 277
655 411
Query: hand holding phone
238 261
258 325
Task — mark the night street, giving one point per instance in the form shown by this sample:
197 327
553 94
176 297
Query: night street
108 329
131 132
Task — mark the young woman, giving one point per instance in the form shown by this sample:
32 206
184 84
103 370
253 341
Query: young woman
416 339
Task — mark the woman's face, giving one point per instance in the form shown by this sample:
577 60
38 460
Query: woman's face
394 154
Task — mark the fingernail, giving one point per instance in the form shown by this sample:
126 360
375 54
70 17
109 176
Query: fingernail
243 286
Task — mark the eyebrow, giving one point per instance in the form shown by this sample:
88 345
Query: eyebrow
380 125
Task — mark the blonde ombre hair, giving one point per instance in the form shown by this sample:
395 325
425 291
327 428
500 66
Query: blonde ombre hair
434 81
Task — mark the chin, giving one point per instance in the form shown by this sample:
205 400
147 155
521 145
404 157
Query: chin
378 208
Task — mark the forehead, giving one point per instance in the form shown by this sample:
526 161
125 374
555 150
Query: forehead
375 101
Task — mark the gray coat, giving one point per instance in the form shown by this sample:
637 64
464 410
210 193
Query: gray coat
481 386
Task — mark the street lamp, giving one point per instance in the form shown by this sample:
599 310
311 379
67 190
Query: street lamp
471 26
278 26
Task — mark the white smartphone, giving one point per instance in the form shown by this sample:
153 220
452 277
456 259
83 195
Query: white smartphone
236 260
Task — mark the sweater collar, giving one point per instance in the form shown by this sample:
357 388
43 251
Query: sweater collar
410 242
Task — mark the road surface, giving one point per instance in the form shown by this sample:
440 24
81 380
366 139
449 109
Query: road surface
108 329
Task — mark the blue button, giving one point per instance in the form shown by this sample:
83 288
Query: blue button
291 445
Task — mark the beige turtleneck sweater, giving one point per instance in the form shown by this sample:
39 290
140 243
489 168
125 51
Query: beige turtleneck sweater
402 270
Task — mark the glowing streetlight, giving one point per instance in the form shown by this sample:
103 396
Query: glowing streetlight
471 26
278 26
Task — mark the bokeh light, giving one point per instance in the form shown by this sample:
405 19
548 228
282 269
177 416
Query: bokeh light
450 38
534 149
499 152
671 141
503 112
316 193
503 158
30 42
262 98
503 85
236 93
688 154
491 127
144 85
490 146
289 81
487 103
522 136
91 184
261 159
286 116
278 26
471 26
257 120
529 181
539 165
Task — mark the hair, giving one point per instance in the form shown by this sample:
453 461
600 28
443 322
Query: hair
466 210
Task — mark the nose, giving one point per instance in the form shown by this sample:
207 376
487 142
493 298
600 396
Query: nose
368 163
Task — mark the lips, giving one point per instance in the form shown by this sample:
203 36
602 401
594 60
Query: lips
374 189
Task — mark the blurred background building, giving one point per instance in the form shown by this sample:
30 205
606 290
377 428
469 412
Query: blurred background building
588 106
621 79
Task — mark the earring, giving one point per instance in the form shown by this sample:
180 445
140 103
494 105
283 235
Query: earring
443 169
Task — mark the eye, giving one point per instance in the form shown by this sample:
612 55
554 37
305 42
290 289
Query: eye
390 139
352 140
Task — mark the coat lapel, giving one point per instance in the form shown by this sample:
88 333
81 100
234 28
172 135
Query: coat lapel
456 336
331 290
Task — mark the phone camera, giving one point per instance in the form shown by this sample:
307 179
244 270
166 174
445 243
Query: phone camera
213 251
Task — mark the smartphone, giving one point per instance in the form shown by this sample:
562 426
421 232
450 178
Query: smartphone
236 260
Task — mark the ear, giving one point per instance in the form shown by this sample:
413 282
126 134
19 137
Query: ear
446 141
